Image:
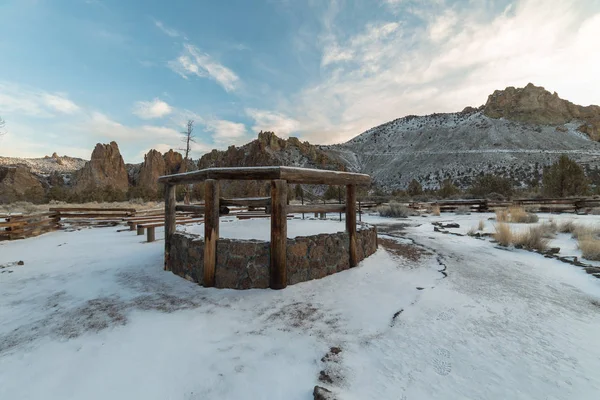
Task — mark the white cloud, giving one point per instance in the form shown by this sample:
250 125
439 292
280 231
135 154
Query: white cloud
166 30
265 120
226 133
60 103
152 109
194 62
456 59
22 100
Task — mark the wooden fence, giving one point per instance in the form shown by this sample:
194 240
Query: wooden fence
25 226
574 205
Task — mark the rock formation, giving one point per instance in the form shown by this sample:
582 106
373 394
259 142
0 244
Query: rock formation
152 167
535 105
17 183
105 169
269 149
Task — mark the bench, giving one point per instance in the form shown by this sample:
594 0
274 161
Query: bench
151 227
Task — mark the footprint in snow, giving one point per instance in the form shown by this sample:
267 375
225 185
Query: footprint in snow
446 315
441 363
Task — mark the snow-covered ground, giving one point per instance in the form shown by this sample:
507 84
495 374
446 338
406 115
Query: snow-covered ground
91 314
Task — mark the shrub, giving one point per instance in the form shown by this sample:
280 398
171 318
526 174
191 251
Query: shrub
503 234
564 178
472 231
489 183
448 189
590 247
394 210
532 239
495 197
435 210
414 188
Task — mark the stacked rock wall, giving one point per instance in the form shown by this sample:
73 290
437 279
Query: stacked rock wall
244 264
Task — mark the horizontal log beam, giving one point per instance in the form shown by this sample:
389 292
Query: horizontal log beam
289 174
318 208
247 202
98 209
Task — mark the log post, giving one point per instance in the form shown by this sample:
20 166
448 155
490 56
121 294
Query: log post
278 267
211 230
151 234
351 223
140 230
170 221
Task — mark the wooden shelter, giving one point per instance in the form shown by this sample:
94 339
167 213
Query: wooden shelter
280 177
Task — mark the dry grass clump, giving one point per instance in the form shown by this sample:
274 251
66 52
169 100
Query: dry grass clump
590 247
532 239
394 210
481 225
519 215
503 234
581 231
567 226
548 229
435 210
501 215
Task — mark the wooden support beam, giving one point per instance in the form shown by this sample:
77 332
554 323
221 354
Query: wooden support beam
140 229
170 221
316 208
290 174
85 209
151 236
211 230
248 202
351 223
278 266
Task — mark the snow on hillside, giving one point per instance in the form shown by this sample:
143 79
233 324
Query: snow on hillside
91 314
46 165
459 146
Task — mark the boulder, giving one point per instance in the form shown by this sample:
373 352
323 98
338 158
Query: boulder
320 393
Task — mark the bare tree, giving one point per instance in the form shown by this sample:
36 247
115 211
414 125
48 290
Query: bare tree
188 139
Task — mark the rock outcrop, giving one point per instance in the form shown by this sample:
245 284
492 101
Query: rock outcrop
535 105
268 149
105 169
17 182
152 167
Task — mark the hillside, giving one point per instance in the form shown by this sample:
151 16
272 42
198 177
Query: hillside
515 134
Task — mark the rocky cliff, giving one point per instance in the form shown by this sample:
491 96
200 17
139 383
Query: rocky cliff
268 149
535 105
155 164
105 169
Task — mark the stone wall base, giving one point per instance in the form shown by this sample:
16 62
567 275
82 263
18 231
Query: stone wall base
244 264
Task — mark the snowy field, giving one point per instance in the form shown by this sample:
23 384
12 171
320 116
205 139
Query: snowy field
92 315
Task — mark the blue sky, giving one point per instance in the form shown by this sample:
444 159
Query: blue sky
77 72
